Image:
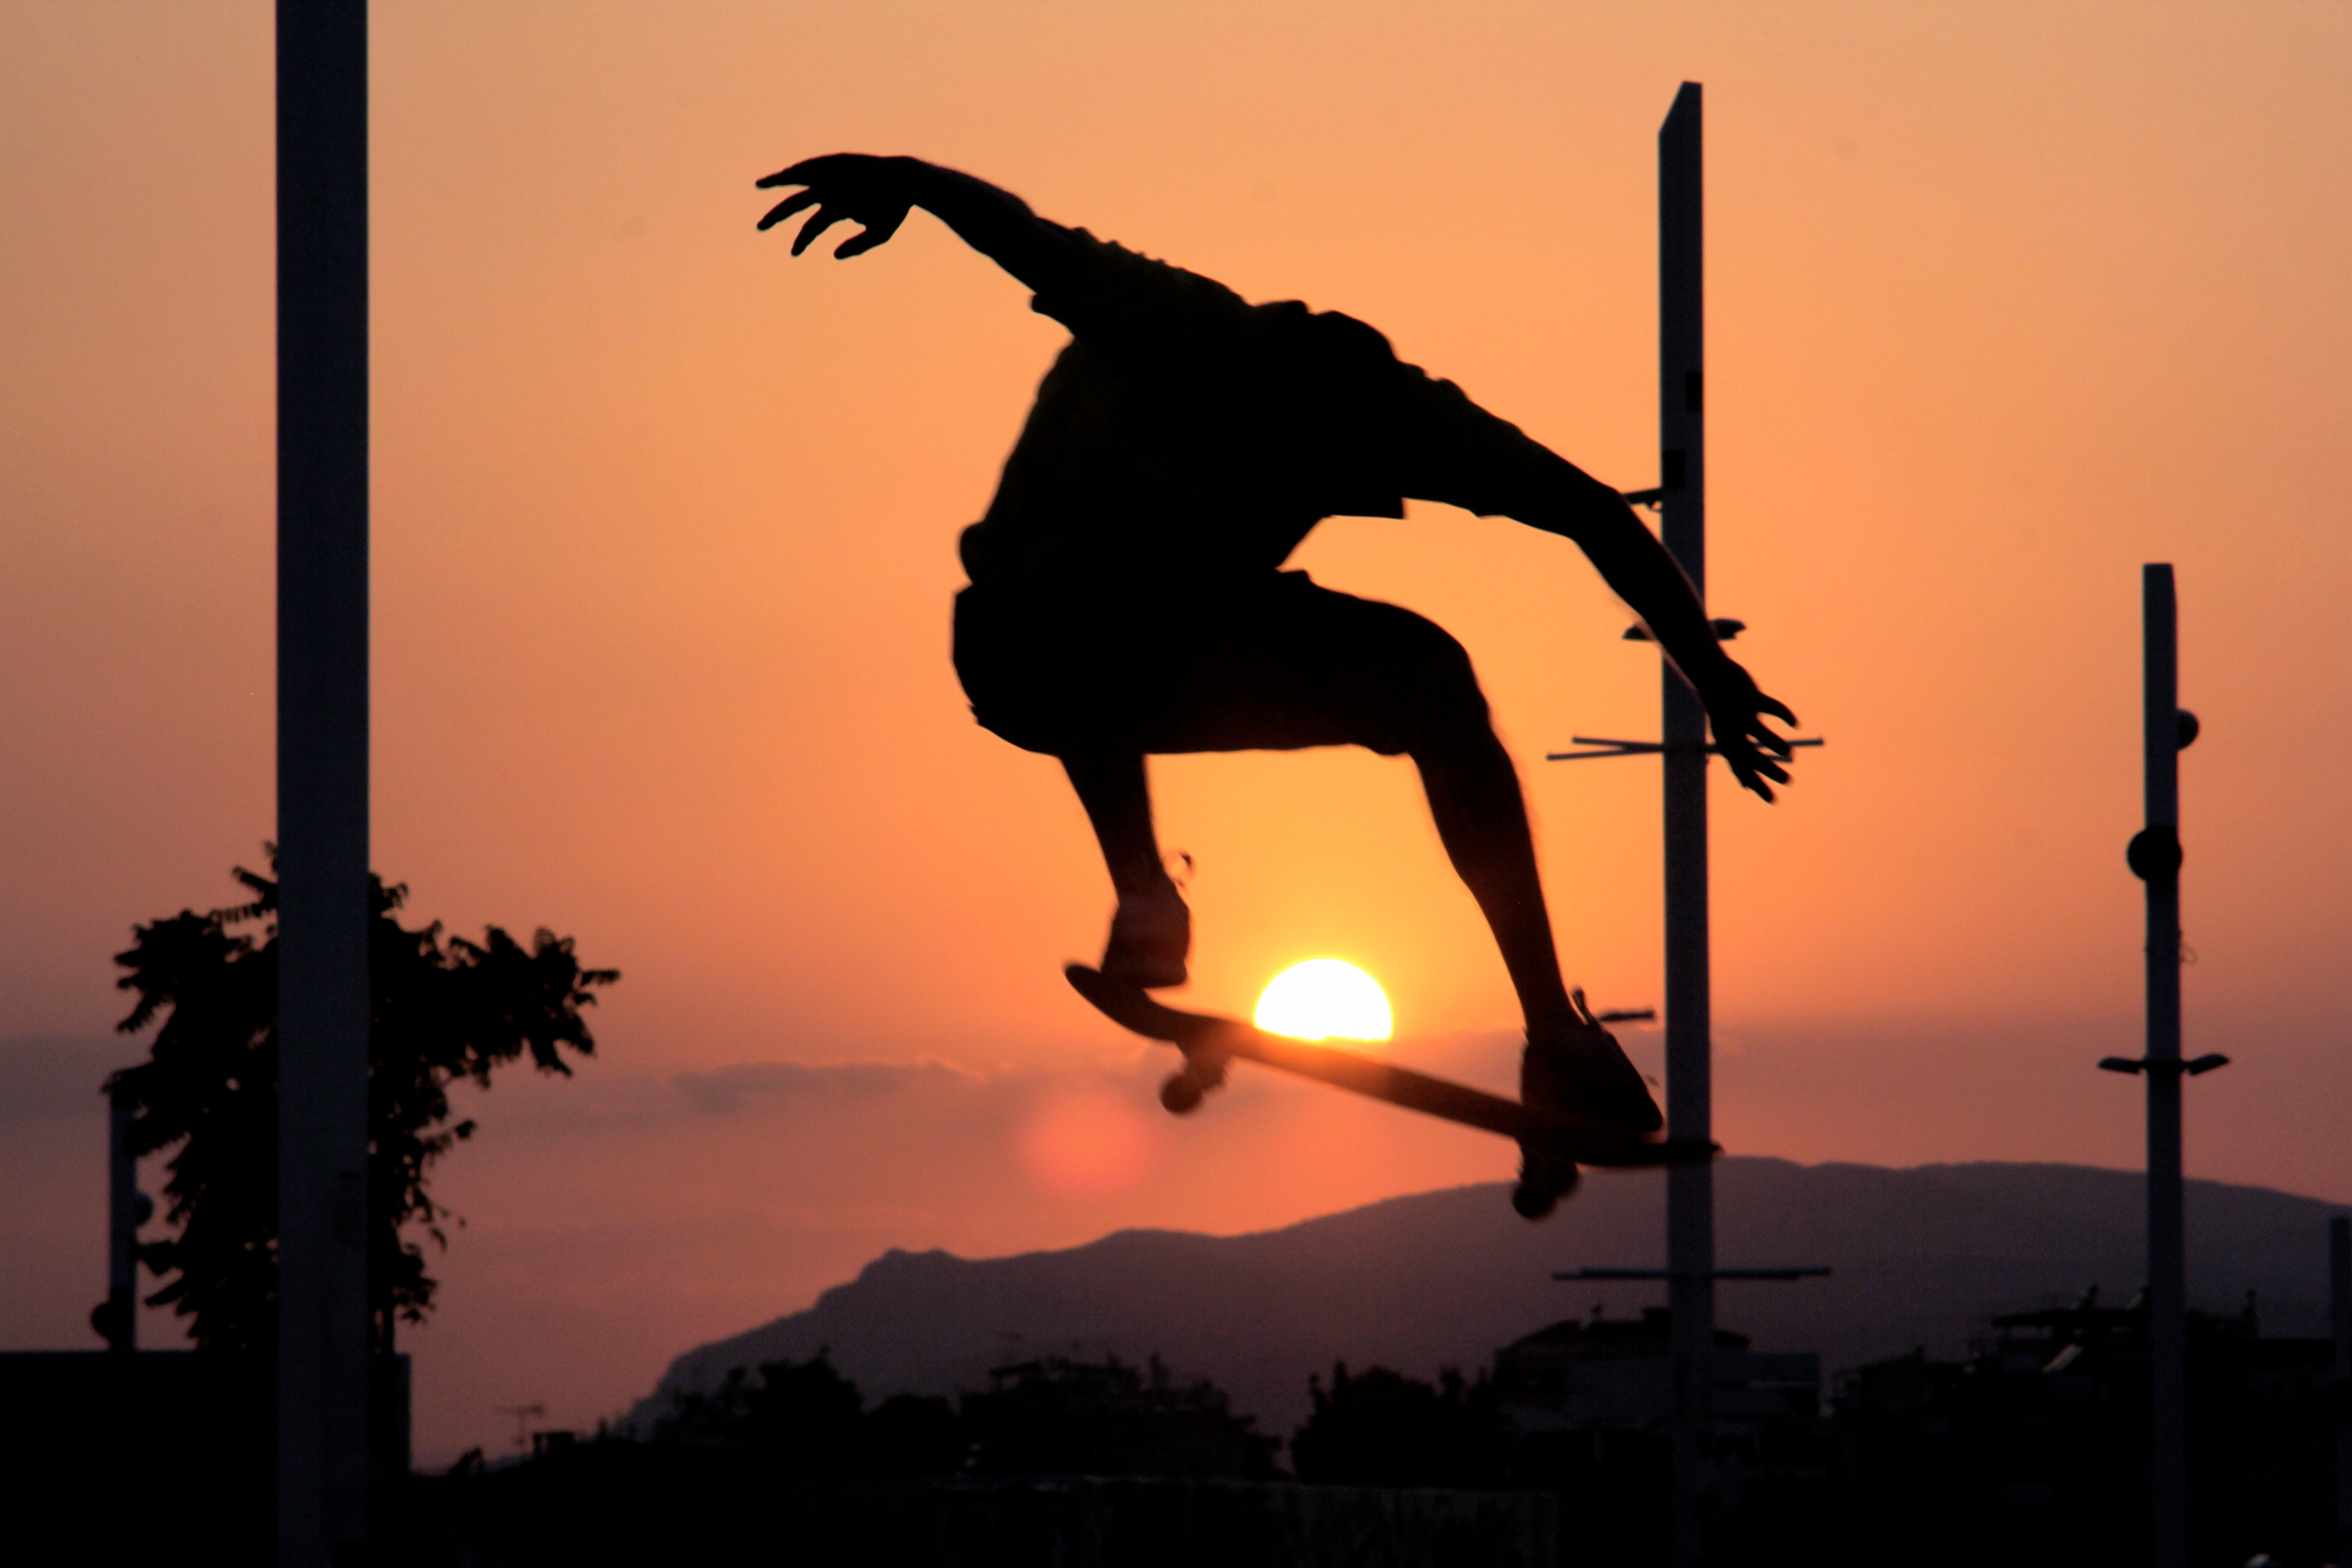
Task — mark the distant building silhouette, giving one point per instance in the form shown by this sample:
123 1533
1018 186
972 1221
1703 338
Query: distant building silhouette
1584 1373
2042 1433
1107 1418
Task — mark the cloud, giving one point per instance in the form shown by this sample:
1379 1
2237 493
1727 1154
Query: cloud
727 1088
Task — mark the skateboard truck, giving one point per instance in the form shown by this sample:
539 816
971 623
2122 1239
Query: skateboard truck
1542 1183
1204 1069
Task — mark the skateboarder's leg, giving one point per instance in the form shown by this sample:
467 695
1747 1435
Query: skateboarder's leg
1482 820
1117 793
1571 1065
1474 797
1151 931
1381 676
1292 665
1075 682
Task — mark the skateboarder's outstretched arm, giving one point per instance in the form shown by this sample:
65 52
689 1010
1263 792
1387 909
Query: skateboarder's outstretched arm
1548 493
1634 564
878 193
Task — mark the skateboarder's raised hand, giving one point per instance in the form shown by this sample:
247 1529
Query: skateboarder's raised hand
877 194
1735 710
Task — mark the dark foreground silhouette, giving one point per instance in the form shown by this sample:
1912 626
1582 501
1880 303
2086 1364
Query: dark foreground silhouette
1127 595
2029 1452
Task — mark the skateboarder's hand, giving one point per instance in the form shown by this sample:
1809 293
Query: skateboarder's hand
844 187
1735 710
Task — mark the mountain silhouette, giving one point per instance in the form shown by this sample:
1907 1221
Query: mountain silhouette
1921 1257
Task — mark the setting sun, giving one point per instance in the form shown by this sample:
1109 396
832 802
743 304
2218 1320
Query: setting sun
1324 998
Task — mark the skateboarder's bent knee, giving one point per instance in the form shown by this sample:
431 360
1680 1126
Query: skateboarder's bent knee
1434 706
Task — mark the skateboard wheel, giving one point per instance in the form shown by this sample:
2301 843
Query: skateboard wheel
1532 1202
1181 1094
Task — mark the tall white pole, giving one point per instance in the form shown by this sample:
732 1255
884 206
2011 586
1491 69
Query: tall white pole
323 781
1682 440
2159 861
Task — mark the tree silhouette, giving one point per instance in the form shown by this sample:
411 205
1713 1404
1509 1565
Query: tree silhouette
1378 1427
811 1421
805 1413
1055 1416
443 1009
1061 1416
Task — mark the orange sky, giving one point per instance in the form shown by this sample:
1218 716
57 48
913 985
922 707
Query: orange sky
2003 301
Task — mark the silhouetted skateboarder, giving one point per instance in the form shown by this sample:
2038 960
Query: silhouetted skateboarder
1127 595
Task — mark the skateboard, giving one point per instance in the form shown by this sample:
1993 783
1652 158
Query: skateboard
1550 1147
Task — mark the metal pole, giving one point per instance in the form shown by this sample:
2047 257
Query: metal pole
2166 1266
125 1207
322 780
2339 1319
1682 440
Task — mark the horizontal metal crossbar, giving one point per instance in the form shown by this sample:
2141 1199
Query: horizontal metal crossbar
2159 1067
1807 1273
1644 748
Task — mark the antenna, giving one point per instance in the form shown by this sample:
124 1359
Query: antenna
522 1415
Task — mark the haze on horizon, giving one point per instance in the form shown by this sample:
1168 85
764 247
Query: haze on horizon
2003 303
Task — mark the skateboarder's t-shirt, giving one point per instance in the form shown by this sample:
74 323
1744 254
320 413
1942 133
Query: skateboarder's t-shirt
1186 436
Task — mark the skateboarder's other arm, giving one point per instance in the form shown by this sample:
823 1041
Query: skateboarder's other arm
1456 452
1641 572
878 193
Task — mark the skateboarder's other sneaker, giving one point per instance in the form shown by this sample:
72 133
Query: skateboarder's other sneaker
1151 936
1579 1072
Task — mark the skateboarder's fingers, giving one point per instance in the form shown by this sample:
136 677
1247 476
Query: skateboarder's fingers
817 224
786 209
871 235
807 172
1775 707
1752 767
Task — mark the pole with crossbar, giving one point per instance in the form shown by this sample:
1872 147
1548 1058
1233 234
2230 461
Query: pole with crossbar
2154 855
1681 510
1680 500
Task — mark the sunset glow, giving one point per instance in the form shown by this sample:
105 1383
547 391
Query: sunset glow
1322 999
1087 1144
2000 304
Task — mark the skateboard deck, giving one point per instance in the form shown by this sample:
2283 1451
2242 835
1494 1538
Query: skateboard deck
1553 1146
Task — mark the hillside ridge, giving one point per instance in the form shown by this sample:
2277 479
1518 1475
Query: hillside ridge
1920 1256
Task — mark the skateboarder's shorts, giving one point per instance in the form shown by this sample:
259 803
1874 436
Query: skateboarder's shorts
1271 663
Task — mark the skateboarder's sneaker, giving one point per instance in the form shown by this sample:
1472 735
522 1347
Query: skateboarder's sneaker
1579 1073
1150 937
